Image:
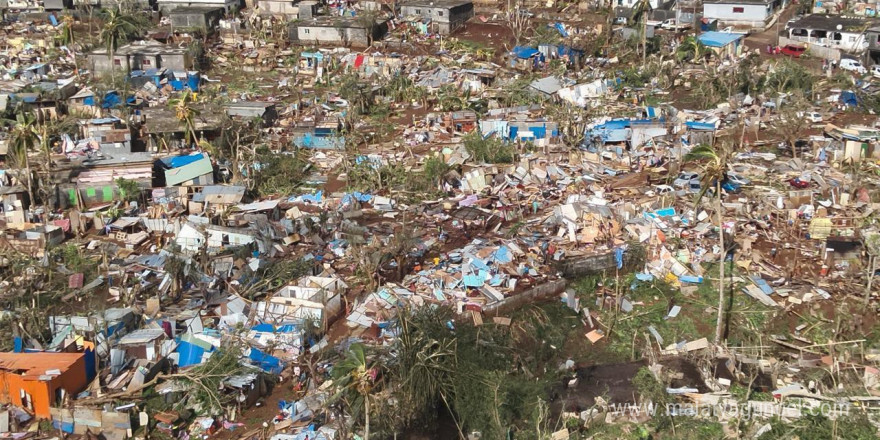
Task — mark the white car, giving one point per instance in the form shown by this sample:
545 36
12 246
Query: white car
813 117
853 66
738 179
684 179
663 189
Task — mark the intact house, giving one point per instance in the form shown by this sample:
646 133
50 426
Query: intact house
846 34
302 10
142 55
751 14
40 381
439 16
723 43
347 31
170 5
197 17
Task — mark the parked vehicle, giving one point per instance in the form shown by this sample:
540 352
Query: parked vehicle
798 183
663 189
738 179
813 117
672 25
726 186
801 146
684 179
793 51
853 66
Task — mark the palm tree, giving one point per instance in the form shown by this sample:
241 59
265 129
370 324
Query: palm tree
68 39
426 364
356 379
23 138
185 114
119 27
640 15
692 48
714 173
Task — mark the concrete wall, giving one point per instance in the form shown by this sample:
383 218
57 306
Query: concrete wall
538 293
594 264
102 63
272 7
202 20
752 15
167 6
445 21
846 41
175 61
331 35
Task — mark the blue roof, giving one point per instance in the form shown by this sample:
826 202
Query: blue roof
179 161
524 52
718 39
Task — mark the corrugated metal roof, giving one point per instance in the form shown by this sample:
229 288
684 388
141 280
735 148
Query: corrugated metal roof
198 168
223 194
36 364
142 336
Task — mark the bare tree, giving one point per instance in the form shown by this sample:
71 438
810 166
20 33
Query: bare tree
791 123
517 19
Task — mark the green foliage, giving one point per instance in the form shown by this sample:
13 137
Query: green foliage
435 168
816 427
128 189
355 378
205 382
282 272
649 388
634 76
280 173
352 89
788 76
691 49
491 150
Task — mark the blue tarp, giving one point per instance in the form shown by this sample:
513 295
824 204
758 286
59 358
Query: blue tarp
91 365
189 354
561 28
618 257
644 276
265 328
361 197
111 99
524 52
849 98
266 362
692 125
193 80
